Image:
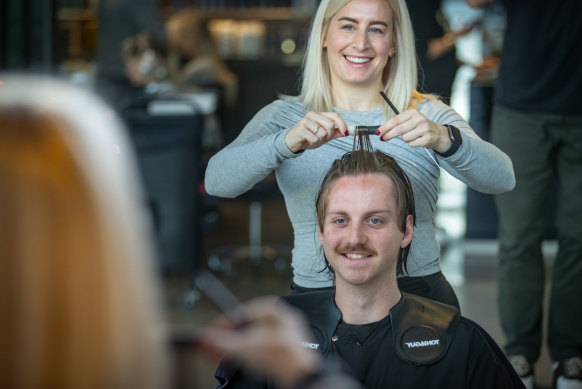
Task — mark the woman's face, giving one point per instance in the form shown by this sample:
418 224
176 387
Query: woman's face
359 43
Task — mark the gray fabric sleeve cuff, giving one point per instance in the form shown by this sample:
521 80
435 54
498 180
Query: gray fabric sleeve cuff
281 146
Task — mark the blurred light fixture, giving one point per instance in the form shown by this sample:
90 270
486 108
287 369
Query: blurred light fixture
288 46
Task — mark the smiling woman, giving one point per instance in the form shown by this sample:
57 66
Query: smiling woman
359 43
357 48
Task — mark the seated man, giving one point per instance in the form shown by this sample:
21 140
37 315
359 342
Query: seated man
386 338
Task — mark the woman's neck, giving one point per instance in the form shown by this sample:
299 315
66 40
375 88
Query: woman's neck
356 97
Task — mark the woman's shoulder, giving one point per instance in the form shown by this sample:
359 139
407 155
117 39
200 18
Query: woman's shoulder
435 109
432 103
289 102
285 112
290 106
284 104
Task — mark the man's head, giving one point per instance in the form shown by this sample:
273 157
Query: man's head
365 212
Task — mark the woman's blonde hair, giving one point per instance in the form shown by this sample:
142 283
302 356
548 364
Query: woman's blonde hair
400 75
80 304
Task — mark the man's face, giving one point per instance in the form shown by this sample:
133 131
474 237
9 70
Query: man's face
361 234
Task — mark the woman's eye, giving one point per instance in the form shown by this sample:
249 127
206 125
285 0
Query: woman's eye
348 27
340 221
375 30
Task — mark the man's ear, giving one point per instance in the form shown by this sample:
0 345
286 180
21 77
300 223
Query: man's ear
320 235
408 232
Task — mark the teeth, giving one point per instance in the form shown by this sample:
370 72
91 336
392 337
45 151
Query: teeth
357 59
356 256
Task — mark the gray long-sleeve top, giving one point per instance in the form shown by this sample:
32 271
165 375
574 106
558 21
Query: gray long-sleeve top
261 148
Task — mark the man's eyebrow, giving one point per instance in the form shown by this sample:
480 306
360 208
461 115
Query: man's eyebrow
335 212
348 19
339 212
379 212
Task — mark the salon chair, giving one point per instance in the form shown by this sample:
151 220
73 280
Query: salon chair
227 260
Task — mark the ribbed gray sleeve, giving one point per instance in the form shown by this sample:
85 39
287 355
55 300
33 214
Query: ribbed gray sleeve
477 163
257 151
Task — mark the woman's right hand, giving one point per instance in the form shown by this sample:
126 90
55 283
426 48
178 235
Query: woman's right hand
315 129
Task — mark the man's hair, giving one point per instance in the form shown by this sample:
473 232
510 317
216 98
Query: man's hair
400 75
364 160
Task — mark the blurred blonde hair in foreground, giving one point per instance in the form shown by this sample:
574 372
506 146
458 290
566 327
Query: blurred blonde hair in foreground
79 299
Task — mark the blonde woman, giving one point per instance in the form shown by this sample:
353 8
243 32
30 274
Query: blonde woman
356 49
80 307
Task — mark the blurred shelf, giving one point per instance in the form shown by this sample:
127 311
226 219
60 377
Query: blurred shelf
247 13
76 14
242 13
251 13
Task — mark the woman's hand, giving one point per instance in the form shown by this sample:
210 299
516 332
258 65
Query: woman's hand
416 130
315 129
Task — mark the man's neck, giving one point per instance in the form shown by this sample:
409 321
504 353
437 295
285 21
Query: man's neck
366 304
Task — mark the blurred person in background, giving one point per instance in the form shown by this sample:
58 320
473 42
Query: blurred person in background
435 44
145 62
118 20
198 63
194 65
537 121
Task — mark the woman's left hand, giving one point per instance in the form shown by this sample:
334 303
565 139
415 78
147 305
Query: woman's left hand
416 130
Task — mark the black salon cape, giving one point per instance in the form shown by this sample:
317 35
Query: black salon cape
473 360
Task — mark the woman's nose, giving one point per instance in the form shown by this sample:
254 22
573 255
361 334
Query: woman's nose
361 40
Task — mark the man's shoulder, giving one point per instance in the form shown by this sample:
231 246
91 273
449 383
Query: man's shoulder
423 329
314 304
483 356
321 313
471 333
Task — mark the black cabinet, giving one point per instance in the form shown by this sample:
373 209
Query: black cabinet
169 158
